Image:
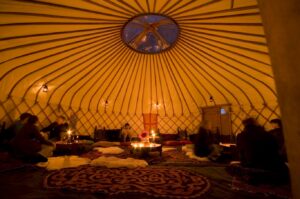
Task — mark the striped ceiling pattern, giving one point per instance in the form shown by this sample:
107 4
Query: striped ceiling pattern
75 48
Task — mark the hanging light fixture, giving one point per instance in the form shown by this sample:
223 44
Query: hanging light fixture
45 88
105 105
156 105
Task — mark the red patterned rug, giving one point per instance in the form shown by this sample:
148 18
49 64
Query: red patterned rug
156 182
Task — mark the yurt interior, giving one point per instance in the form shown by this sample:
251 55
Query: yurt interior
171 99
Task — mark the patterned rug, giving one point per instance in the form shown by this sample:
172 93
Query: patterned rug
258 181
156 182
179 158
168 158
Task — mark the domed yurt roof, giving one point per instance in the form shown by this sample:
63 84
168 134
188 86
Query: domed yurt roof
109 62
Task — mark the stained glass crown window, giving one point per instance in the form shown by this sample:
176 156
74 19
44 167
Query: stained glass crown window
150 33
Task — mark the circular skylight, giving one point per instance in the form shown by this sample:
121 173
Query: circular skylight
150 33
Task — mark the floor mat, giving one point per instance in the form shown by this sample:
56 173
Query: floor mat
8 163
156 182
168 158
265 189
93 154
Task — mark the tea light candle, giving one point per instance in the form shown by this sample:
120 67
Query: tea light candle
77 139
153 135
69 132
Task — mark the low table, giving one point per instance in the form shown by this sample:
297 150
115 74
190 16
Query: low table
73 148
145 148
229 151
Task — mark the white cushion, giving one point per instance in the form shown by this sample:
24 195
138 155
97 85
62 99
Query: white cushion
114 162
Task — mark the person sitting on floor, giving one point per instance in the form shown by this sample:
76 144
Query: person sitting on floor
278 134
30 145
57 129
203 140
13 129
259 150
205 144
127 131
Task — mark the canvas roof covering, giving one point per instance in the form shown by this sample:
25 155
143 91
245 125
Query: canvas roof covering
75 48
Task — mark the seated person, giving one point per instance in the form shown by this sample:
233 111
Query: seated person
259 150
57 129
127 131
14 129
278 135
29 144
203 140
205 143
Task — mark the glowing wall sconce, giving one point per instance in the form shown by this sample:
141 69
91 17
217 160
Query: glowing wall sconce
45 88
156 105
105 105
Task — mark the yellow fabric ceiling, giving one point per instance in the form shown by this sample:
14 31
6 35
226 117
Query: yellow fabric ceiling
75 47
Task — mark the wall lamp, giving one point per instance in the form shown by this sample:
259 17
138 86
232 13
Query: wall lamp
45 88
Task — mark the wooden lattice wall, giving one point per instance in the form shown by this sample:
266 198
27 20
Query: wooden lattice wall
85 121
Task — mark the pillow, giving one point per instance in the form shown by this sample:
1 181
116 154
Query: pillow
172 143
105 144
184 142
109 150
114 162
169 137
62 162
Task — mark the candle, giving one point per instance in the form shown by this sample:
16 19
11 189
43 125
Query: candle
69 133
77 139
153 135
